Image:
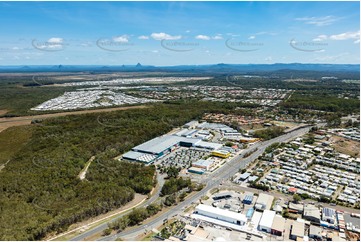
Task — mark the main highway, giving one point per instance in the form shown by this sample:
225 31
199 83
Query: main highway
213 180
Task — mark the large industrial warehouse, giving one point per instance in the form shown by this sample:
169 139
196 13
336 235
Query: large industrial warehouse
221 214
153 149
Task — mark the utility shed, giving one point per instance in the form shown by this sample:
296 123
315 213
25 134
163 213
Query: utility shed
265 224
221 214
278 225
297 230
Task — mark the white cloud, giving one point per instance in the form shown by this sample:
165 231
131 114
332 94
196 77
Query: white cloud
155 51
121 39
16 48
318 21
233 35
343 36
321 37
55 40
331 58
252 37
346 36
143 37
203 37
265 33
188 31
52 43
164 36
217 37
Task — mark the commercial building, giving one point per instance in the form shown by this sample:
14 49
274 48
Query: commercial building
315 232
278 225
187 133
164 144
312 213
329 215
248 198
223 195
155 148
204 164
256 218
196 170
139 156
295 208
264 202
208 145
191 124
221 214
203 134
265 224
221 153
297 230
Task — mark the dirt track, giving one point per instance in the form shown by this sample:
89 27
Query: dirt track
25 120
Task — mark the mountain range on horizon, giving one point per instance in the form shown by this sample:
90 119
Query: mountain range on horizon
220 67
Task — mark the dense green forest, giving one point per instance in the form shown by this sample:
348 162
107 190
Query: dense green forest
40 188
324 101
269 133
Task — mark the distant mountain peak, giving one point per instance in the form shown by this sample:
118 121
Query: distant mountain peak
138 65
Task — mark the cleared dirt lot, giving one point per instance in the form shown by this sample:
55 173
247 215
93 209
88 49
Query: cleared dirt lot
346 146
3 111
25 120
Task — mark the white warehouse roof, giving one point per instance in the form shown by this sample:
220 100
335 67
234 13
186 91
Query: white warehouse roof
221 212
209 145
267 219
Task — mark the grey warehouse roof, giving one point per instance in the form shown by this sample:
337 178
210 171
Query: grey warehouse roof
159 144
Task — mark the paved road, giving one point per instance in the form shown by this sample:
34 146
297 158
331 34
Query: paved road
103 226
212 181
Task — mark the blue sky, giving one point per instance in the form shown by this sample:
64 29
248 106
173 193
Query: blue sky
178 33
